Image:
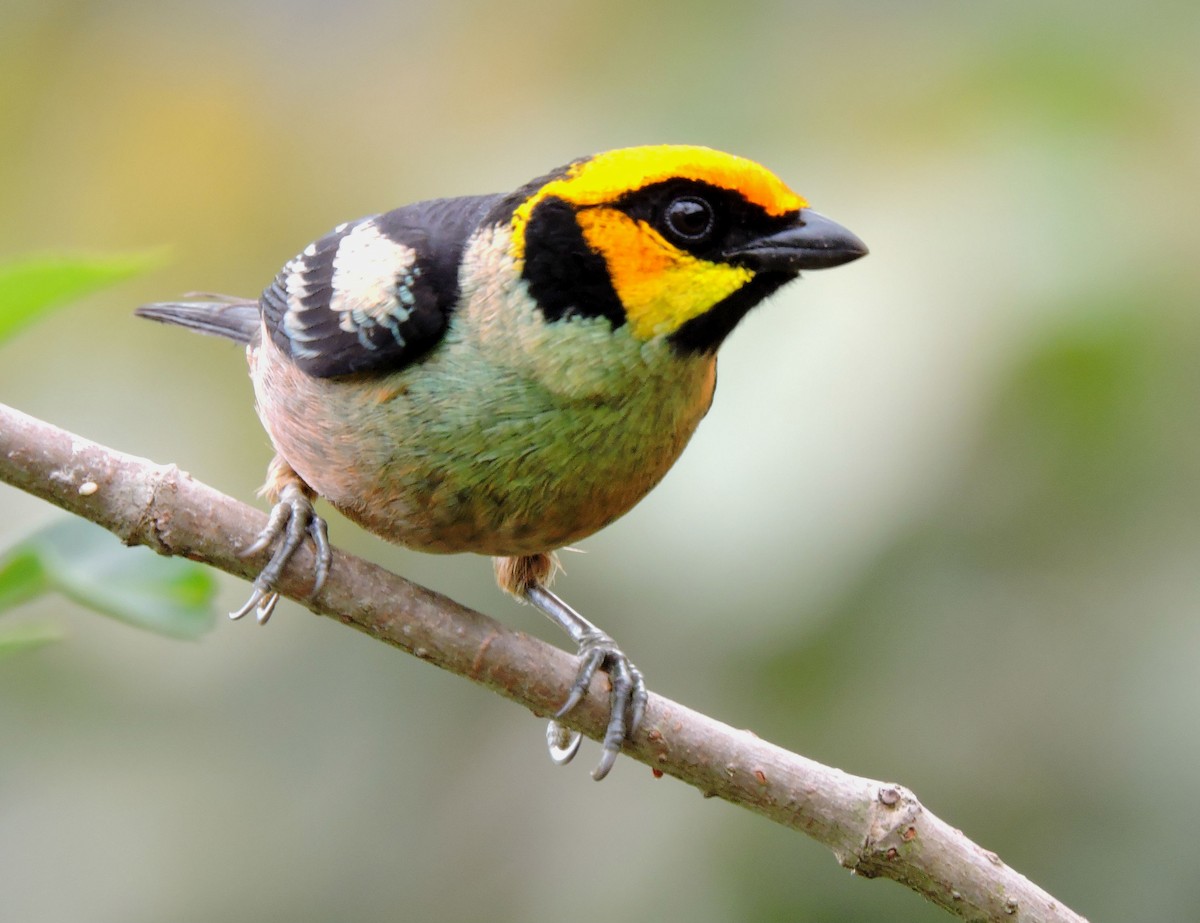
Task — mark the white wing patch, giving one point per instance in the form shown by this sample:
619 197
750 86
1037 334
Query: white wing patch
372 283
371 286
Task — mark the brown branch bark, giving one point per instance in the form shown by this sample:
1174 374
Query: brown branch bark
876 829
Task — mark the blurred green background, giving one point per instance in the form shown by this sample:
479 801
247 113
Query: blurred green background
942 526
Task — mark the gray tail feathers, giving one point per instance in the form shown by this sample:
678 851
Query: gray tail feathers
232 318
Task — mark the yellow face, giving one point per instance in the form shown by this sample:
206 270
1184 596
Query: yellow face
661 286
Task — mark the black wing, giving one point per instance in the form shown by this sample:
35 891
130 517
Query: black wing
375 294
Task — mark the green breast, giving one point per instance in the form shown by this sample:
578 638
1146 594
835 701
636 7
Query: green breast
487 457
515 435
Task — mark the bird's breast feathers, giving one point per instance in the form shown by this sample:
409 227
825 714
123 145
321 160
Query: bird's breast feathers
514 435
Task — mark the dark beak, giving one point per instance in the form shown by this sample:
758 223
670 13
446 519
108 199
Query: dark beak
811 242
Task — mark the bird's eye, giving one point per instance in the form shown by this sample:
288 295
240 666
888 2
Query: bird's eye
689 218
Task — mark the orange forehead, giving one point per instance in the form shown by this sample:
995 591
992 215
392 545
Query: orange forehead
608 176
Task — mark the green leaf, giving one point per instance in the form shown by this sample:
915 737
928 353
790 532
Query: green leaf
21 578
27 637
31 286
89 565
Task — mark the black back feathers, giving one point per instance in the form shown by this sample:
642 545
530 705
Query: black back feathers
374 294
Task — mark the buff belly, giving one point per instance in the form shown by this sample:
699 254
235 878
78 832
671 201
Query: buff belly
456 453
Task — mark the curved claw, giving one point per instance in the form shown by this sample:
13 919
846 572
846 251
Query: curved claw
262 601
292 520
629 702
590 662
563 742
281 513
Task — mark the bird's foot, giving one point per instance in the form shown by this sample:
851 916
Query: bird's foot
627 701
292 519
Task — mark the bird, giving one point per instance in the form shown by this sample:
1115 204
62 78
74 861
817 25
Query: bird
506 374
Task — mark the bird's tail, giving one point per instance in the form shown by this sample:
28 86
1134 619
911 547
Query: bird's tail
233 318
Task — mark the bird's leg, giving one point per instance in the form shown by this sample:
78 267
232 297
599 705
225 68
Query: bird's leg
292 518
526 577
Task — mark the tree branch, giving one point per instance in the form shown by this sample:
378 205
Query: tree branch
873 828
